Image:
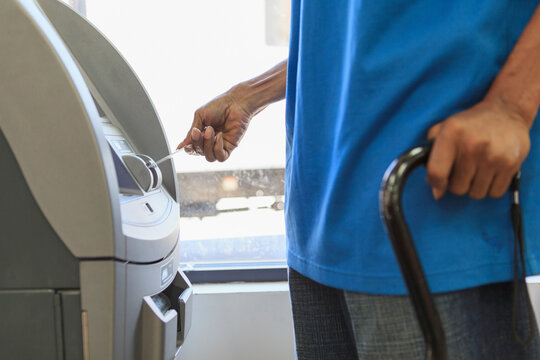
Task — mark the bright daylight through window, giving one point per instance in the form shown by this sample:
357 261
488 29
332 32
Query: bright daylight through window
186 53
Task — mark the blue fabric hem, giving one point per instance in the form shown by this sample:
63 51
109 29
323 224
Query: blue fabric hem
394 285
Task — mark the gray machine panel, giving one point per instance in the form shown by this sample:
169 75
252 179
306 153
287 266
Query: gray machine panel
103 297
71 324
51 124
30 329
23 224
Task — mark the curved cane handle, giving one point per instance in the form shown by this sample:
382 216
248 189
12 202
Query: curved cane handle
407 257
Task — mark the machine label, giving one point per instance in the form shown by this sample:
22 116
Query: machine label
167 272
122 146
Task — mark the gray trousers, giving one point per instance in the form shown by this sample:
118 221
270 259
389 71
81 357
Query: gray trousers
336 324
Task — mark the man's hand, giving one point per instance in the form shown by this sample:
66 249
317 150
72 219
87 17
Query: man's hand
217 128
478 151
219 125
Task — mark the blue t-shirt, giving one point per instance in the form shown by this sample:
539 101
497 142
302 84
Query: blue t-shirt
366 80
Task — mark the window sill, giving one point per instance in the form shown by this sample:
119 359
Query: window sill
212 289
276 273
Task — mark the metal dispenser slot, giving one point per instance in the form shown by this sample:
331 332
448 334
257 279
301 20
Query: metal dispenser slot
166 319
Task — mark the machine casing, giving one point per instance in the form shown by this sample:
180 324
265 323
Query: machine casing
88 257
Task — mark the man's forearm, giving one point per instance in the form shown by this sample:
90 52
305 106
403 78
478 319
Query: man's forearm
262 90
518 82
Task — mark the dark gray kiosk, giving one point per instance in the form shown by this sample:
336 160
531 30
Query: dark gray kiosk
89 224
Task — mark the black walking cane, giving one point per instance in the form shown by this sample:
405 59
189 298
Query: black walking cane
411 268
398 231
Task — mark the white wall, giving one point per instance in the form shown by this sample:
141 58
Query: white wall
240 322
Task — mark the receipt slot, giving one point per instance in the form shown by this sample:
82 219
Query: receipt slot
89 223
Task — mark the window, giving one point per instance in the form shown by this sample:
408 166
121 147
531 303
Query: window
185 53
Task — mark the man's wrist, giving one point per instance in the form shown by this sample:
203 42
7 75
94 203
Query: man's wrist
257 93
253 97
244 97
524 111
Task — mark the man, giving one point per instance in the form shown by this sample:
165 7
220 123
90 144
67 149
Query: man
365 81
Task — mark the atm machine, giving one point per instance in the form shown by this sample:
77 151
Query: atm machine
89 224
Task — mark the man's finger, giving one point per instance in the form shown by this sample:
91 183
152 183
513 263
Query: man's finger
461 177
440 163
184 143
500 184
189 150
481 182
198 121
197 124
209 138
197 140
196 133
434 131
219 150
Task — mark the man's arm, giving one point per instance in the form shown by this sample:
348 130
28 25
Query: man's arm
518 83
219 125
264 89
478 151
